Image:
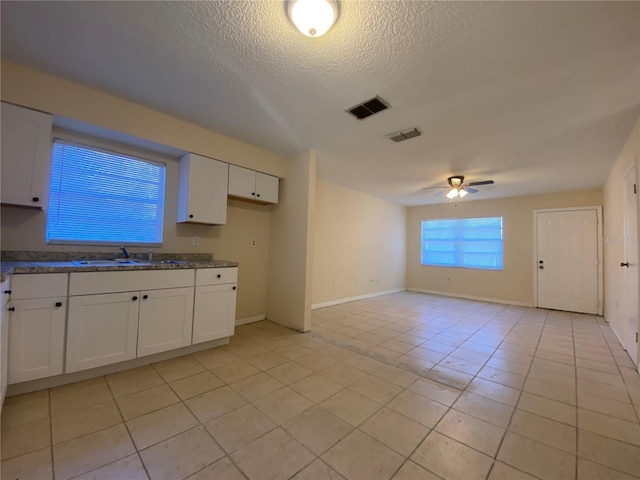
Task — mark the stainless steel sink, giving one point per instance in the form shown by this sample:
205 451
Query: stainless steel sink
105 263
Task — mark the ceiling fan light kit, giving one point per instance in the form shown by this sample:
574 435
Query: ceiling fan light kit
313 18
457 187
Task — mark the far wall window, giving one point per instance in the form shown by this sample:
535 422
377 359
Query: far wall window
463 242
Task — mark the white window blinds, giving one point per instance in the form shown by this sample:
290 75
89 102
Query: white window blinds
464 242
101 197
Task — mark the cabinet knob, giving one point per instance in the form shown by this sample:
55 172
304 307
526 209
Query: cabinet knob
8 292
235 288
58 304
253 193
190 216
219 276
35 199
144 297
12 309
258 195
134 298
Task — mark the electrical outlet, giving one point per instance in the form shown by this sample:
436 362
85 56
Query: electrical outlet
195 241
254 244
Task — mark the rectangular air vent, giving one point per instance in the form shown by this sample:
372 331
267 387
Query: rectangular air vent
403 135
368 108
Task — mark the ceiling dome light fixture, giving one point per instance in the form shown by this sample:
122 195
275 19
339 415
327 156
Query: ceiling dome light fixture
313 17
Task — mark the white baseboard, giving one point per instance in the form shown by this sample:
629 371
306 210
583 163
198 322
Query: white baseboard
471 297
245 320
353 299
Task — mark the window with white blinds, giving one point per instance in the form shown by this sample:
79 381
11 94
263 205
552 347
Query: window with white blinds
463 242
100 197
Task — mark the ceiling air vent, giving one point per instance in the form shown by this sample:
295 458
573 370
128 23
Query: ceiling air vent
403 135
368 108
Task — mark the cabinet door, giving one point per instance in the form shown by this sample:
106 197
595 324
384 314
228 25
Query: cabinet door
266 188
36 338
202 196
4 352
214 312
102 329
26 151
166 320
242 182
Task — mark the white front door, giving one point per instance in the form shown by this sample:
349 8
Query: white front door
567 262
630 264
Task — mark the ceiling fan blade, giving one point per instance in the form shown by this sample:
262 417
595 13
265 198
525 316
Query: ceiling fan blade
427 188
470 190
484 182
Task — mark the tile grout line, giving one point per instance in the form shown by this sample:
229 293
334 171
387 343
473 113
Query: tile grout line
506 430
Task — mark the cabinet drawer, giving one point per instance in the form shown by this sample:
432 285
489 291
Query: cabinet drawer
215 276
38 285
89 283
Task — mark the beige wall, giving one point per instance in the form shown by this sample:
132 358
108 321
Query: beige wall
291 246
40 91
359 247
614 235
515 283
24 229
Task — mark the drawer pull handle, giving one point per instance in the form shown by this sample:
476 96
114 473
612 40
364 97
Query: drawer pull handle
134 298
8 292
35 199
12 309
144 297
235 288
58 304
219 276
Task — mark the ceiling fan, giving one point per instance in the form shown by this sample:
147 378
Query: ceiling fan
458 188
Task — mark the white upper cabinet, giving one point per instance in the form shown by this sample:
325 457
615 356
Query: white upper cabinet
202 190
26 151
245 183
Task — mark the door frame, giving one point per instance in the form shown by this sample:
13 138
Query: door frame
534 260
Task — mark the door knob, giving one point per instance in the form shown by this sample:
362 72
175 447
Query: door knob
624 264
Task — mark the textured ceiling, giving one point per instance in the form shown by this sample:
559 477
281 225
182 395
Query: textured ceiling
539 96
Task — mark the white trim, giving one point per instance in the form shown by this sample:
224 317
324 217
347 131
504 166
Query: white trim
353 299
471 297
600 259
246 320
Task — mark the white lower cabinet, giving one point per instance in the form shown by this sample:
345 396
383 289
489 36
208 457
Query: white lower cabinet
157 311
105 328
36 338
166 320
5 291
102 329
214 314
37 312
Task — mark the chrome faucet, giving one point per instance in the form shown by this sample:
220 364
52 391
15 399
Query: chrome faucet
124 251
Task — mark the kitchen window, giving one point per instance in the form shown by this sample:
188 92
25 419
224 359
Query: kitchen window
463 242
102 197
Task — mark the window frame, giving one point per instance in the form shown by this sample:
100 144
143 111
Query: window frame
109 147
457 252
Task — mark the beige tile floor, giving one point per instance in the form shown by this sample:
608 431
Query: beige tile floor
404 386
